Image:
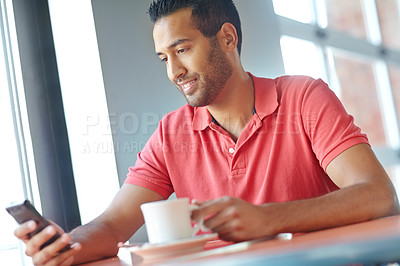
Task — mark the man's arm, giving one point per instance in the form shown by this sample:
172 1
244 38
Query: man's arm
366 193
100 237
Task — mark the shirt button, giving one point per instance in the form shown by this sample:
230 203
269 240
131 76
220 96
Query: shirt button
231 150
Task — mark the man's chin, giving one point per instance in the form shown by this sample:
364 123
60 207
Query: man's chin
195 104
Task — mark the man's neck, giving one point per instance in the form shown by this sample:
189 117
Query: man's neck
235 105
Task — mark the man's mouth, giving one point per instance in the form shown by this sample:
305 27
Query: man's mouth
188 85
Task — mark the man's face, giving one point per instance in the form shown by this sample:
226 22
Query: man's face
195 64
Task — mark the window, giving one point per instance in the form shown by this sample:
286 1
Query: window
389 20
18 179
346 16
347 54
309 62
299 10
11 172
358 90
355 46
84 101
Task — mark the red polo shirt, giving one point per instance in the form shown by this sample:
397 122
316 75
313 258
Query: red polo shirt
298 128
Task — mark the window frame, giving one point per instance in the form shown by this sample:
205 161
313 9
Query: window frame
372 49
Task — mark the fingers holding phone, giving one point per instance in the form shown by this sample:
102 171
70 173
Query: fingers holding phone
38 241
45 241
54 254
26 229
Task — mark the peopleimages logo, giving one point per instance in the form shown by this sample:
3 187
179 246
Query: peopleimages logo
130 123
95 147
124 123
137 146
119 132
128 132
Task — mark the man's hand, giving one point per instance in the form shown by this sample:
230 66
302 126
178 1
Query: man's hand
233 219
365 193
49 255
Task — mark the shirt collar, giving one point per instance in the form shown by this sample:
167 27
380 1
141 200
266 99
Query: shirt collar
201 118
266 102
266 96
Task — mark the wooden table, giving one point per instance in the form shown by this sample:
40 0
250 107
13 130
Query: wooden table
371 242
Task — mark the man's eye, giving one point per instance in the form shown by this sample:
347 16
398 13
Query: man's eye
181 50
164 59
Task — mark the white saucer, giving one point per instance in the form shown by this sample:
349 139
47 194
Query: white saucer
178 247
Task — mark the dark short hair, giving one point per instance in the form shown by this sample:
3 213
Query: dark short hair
207 15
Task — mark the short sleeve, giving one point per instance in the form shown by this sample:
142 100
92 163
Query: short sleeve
150 170
330 128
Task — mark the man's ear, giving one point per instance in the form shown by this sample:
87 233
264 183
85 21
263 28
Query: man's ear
228 38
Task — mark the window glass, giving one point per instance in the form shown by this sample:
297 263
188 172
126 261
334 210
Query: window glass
346 16
394 74
307 62
85 105
359 95
11 181
15 153
299 10
389 20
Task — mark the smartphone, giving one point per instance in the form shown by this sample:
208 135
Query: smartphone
25 211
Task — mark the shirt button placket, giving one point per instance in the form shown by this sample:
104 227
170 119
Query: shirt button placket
231 150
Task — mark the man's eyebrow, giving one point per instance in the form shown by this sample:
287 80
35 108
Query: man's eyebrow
177 42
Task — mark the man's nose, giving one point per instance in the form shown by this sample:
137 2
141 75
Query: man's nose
176 70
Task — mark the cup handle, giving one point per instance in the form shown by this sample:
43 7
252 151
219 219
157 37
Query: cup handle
200 224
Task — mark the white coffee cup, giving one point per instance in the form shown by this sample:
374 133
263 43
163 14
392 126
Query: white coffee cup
169 220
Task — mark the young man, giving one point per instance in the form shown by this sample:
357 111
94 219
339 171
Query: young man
260 156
